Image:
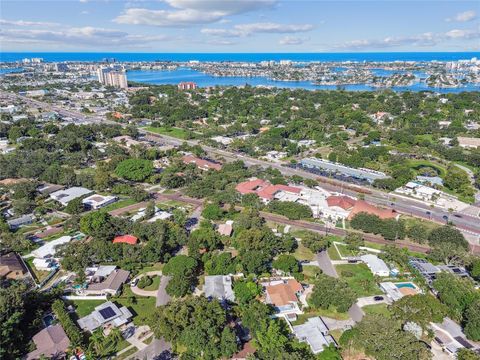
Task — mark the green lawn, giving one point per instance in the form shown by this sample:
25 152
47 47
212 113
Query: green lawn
119 204
153 267
85 307
155 284
331 313
142 309
310 271
381 309
303 253
175 132
359 278
344 251
333 253
39 275
126 354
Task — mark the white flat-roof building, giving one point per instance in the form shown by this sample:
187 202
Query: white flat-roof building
376 265
98 201
49 249
67 195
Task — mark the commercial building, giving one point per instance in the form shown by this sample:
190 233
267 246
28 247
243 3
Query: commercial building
187 85
219 287
51 343
315 333
376 265
67 195
112 76
333 168
202 164
362 206
107 315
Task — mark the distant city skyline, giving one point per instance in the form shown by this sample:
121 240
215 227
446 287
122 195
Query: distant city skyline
239 26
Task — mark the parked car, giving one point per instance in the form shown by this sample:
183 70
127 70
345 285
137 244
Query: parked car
378 298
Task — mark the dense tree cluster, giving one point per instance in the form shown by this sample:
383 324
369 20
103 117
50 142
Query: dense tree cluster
330 292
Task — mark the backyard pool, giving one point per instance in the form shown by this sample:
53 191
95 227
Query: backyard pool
405 285
48 319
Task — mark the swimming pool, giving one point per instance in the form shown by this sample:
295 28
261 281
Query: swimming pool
48 320
405 285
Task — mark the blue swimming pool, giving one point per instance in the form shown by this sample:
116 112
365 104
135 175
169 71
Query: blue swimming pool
405 285
48 320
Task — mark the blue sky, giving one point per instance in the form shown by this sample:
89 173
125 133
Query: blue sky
239 25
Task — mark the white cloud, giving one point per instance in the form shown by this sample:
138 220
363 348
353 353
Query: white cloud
425 39
87 36
291 40
255 28
464 16
190 12
25 23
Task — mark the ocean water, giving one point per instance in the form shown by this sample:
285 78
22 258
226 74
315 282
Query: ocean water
254 57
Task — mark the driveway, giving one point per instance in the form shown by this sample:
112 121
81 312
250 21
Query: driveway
162 297
369 300
141 292
334 324
158 349
326 265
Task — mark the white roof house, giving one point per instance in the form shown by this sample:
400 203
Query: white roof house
391 290
67 195
315 333
49 249
107 315
97 201
219 287
376 265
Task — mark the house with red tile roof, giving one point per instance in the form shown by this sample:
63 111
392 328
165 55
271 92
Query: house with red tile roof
283 295
363 206
341 201
202 164
125 239
264 189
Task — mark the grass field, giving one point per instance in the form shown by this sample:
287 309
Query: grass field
303 253
119 204
310 271
381 309
359 278
333 253
331 313
174 132
154 285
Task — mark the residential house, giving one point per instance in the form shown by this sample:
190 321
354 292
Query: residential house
219 287
376 265
226 229
51 342
125 239
315 333
97 201
107 316
111 285
468 142
283 295
12 266
14 224
49 248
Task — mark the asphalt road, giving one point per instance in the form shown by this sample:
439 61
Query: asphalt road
467 223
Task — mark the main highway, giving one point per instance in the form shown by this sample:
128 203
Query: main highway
469 224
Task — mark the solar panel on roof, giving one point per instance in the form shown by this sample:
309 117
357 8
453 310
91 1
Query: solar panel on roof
107 313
